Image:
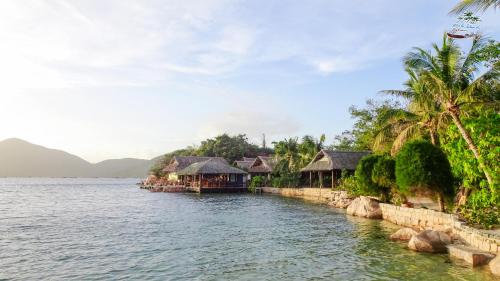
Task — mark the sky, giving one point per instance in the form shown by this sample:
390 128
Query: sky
122 78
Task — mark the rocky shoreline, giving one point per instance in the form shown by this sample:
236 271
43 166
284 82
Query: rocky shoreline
424 230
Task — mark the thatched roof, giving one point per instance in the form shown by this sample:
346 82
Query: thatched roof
263 164
211 166
327 160
180 162
245 163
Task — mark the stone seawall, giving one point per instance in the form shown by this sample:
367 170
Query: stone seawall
320 195
483 240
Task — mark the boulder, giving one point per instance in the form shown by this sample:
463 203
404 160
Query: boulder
340 199
495 266
404 234
366 207
430 241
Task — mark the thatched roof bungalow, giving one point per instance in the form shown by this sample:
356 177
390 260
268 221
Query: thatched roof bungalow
332 163
262 166
245 163
181 162
213 174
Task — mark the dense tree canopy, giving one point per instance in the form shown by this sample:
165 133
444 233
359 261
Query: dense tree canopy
423 166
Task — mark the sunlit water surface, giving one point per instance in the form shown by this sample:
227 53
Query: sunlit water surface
95 229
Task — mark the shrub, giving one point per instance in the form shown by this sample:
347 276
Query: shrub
421 165
364 177
349 184
287 180
482 208
383 176
383 173
257 181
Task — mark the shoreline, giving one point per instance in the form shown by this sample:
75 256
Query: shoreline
470 244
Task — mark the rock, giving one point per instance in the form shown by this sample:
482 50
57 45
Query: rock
470 255
340 199
404 234
366 207
495 266
430 241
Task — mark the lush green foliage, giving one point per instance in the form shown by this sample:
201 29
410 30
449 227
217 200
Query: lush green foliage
363 174
283 176
163 161
367 125
482 208
486 133
257 181
231 148
294 155
383 173
421 165
368 182
348 183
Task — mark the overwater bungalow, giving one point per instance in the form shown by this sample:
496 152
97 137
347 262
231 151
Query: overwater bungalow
245 163
213 176
331 164
262 166
181 162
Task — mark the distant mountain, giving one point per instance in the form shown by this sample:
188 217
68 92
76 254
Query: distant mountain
19 158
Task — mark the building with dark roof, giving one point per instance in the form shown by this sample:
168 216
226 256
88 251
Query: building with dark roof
331 164
212 174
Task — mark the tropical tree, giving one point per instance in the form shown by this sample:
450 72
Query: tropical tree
288 150
450 82
309 148
475 5
367 125
421 118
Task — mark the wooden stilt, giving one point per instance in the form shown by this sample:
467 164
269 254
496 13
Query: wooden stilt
320 179
310 179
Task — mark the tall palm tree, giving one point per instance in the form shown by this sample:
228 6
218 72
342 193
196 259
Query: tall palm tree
449 77
422 117
475 5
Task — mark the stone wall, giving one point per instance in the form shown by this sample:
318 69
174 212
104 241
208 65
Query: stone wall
321 195
484 240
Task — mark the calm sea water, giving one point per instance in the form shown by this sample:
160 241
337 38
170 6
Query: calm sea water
108 229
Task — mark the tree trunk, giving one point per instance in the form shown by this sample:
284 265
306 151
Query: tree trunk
440 202
433 137
472 147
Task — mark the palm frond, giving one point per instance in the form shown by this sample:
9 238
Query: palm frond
407 134
475 6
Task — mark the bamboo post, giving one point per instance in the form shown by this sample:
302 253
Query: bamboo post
320 179
310 179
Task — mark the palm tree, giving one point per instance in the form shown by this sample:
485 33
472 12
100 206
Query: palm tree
288 150
309 148
475 5
449 78
421 117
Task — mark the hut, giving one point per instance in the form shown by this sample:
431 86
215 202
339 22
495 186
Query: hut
331 164
244 163
262 166
178 163
213 176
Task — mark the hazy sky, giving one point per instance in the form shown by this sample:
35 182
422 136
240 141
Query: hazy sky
111 79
